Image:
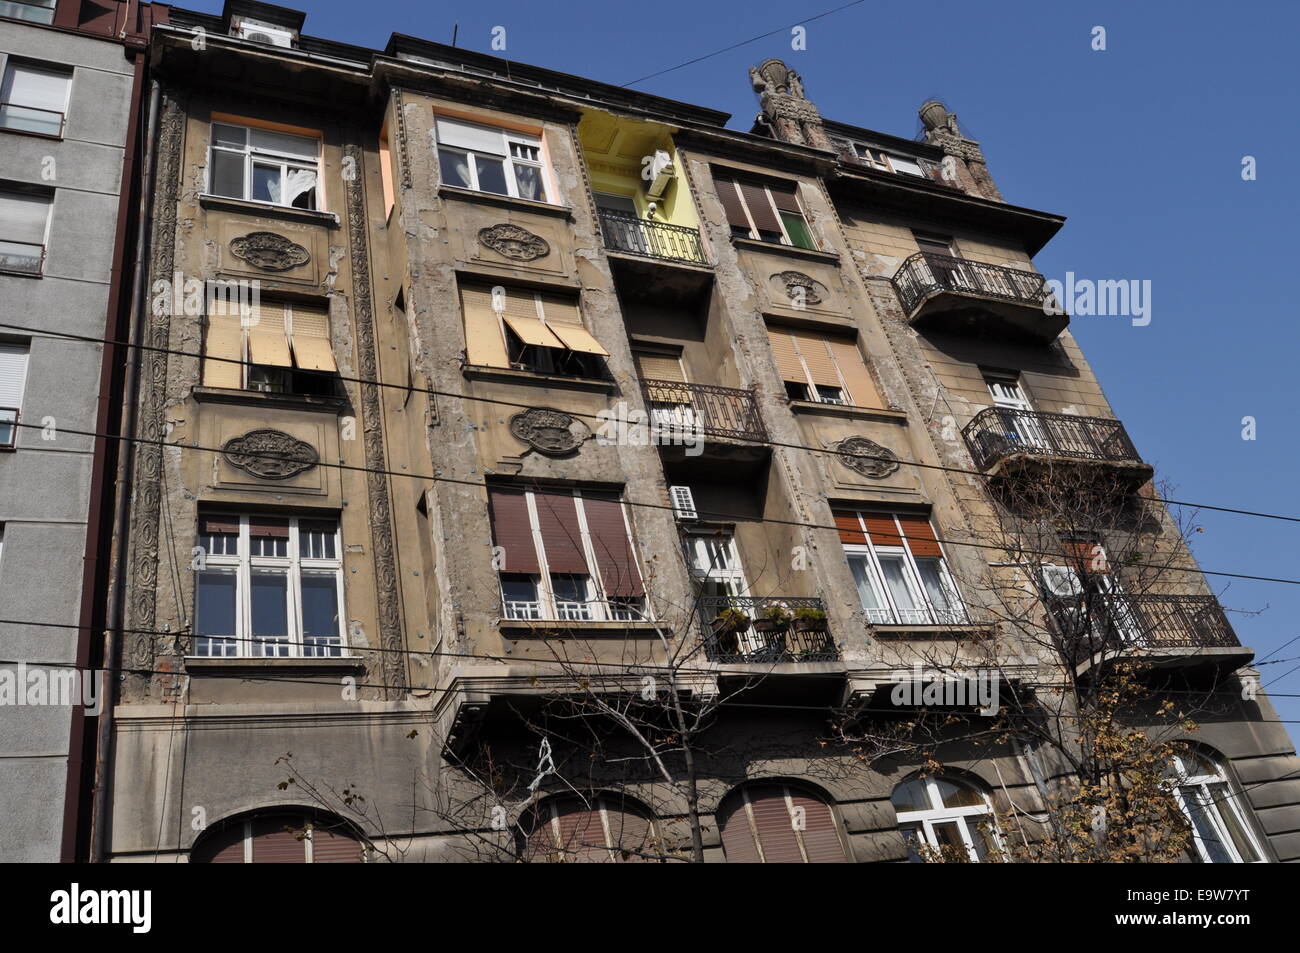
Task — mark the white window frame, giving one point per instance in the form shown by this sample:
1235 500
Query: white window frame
258 156
45 237
767 191
23 352
1008 393
938 813
243 563
1212 808
925 612
597 606
509 138
36 67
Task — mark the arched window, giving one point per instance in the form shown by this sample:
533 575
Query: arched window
779 824
279 838
1220 824
948 816
596 830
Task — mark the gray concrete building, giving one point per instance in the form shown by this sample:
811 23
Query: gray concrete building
69 128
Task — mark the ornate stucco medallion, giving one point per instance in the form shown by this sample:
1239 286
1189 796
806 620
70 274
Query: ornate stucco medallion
799 289
513 242
549 431
269 251
270 454
867 457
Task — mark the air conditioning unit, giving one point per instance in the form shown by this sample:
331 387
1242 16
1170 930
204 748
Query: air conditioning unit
1061 581
683 503
658 173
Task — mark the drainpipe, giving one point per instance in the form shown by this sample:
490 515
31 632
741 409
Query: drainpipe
113 635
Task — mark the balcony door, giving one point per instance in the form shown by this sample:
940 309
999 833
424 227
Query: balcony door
622 227
717 571
946 269
1019 426
671 407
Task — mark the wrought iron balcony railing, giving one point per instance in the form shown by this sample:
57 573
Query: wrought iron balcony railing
1001 432
679 407
925 274
1099 621
738 629
638 236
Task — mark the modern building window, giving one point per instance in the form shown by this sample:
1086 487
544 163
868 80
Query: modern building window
487 159
947 819
565 555
263 165
268 587
1221 828
825 368
24 225
37 11
13 381
899 569
34 98
767 210
528 330
593 830
278 347
779 824
279 838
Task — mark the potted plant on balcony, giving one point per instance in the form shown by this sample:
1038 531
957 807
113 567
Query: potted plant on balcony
775 618
810 619
727 626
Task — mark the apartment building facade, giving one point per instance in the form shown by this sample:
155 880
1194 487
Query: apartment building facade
517 425
70 113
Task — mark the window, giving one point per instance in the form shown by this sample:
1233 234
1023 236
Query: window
268 588
779 824
899 569
34 99
767 211
13 380
945 819
287 838
821 367
1221 829
1087 599
491 160
565 556
24 223
1016 413
386 171
260 31
37 11
278 347
885 161
261 165
596 830
528 330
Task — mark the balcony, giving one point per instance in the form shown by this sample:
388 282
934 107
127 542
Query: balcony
1006 442
649 239
1165 629
943 293
680 409
737 629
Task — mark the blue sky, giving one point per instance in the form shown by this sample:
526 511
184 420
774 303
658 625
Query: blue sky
1140 146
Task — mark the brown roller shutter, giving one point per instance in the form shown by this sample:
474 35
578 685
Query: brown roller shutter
278 529
630 833
862 389
775 826
850 529
272 844
784 194
335 846
581 834
731 202
614 555
820 834
817 356
557 518
882 529
511 530
1087 556
222 846
760 209
738 842
787 358
219 524
920 536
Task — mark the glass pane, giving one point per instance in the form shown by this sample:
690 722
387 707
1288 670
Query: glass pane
455 168
932 579
1211 842
28 119
320 613
214 613
21 257
911 796
227 174
892 567
266 183
528 179
871 599
7 429
269 601
981 836
569 588
1227 807
947 836
913 839
797 230
232 137
301 147
958 795
34 12
519 588
491 175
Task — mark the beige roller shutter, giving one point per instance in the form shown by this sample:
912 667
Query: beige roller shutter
862 389
817 356
578 339
658 367
268 343
310 338
787 357
484 345
224 352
